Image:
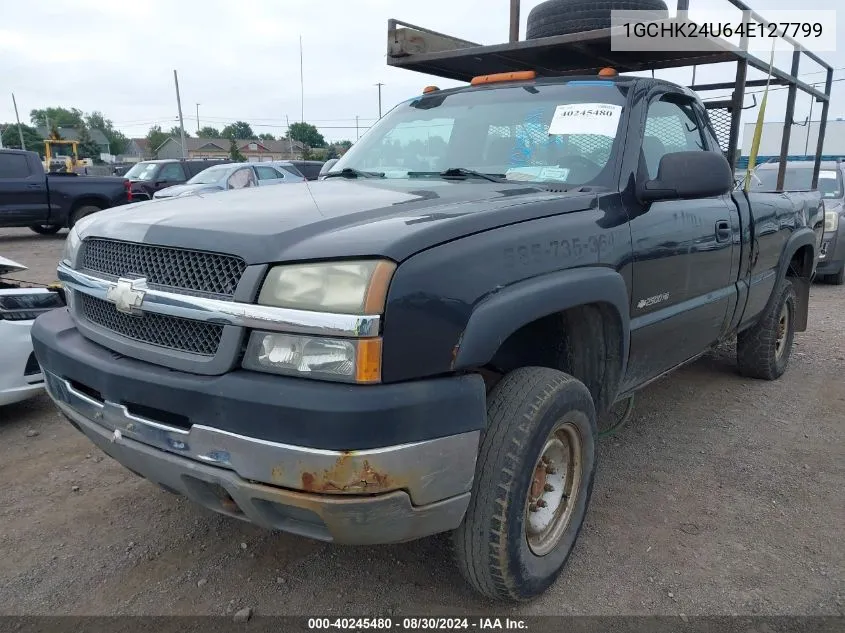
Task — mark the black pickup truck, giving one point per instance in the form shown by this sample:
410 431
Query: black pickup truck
46 203
422 341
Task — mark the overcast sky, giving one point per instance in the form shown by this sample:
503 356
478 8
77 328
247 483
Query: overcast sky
240 59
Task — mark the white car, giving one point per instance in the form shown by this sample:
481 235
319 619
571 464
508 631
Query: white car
20 375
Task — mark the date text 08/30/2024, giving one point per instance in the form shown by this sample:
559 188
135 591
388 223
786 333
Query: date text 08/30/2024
417 624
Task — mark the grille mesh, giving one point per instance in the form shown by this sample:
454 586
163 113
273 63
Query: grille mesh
185 270
720 118
156 329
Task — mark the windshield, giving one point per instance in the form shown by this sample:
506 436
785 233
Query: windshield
142 171
209 176
800 179
538 132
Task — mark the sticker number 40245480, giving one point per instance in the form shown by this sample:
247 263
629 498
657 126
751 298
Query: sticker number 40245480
598 119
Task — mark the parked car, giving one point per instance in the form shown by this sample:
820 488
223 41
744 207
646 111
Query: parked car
310 169
46 203
20 375
150 176
421 341
232 176
799 174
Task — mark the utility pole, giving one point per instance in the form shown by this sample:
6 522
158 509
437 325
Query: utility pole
290 140
181 120
198 119
18 119
514 30
301 82
357 136
379 98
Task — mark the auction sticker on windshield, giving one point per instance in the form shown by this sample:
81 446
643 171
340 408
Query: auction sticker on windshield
598 119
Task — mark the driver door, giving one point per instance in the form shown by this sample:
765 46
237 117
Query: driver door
683 279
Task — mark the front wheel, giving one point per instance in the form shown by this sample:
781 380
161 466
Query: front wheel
46 229
535 472
82 212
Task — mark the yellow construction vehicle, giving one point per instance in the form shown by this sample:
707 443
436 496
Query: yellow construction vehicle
62 156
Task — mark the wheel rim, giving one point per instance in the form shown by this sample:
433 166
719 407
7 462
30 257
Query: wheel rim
783 330
553 491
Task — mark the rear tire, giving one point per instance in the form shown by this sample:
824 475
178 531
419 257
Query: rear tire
81 212
46 229
561 17
763 350
509 545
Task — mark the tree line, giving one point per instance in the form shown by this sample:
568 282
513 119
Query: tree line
54 118
305 133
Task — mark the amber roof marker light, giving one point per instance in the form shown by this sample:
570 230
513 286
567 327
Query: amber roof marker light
522 75
608 72
430 89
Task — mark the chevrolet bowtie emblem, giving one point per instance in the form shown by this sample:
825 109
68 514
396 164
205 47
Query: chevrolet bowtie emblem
127 295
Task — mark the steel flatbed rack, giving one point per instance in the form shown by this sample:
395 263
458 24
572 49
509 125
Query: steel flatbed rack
426 51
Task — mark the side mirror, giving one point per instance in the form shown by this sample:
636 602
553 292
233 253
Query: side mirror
326 167
683 175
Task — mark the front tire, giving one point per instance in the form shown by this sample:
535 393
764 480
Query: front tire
46 229
535 472
82 212
763 350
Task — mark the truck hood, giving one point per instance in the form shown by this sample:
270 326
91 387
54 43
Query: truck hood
331 218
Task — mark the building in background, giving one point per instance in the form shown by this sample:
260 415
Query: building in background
802 141
137 149
253 150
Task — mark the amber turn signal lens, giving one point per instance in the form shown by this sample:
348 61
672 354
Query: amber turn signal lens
368 361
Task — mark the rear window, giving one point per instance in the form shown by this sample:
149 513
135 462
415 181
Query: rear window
800 179
13 166
292 170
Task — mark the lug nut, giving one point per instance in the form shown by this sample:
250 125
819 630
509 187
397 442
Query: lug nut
545 460
548 488
532 507
541 504
551 470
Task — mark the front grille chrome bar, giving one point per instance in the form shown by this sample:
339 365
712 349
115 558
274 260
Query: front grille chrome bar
222 312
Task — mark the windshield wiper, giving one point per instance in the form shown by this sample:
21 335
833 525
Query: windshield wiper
351 172
459 172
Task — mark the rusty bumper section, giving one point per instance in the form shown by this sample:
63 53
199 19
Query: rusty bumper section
385 495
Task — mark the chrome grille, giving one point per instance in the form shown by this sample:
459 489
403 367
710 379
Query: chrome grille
183 270
173 333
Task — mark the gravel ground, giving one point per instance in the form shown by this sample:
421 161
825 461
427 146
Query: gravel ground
723 495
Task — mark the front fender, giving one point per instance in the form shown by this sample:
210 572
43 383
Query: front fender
504 312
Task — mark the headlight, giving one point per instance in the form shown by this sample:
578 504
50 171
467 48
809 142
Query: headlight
831 220
358 287
344 360
72 243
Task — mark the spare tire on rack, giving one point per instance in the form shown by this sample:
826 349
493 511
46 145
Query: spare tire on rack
561 17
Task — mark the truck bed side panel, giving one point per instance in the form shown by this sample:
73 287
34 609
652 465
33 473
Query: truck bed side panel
778 222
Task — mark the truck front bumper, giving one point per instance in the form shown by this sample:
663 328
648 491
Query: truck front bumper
385 494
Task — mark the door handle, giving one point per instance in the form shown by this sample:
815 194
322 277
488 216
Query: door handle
33 186
723 231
